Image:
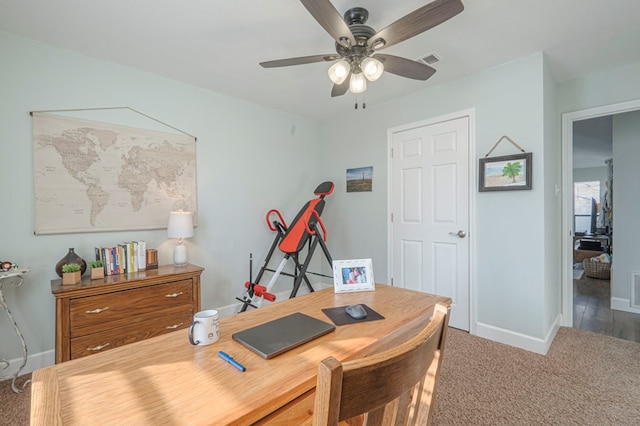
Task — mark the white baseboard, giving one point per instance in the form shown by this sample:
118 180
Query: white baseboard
620 304
34 362
519 340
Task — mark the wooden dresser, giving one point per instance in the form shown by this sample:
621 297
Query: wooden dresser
97 315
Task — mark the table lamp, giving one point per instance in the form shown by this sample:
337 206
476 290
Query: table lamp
180 227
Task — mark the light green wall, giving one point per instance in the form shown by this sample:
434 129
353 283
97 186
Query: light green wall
608 87
626 203
508 100
249 159
552 205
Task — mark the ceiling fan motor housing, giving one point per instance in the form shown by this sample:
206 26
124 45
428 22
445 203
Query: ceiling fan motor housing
356 15
355 18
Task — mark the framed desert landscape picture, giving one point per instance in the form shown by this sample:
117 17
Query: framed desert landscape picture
505 173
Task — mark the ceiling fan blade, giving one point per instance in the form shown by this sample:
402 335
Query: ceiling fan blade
405 67
330 19
299 61
340 89
416 22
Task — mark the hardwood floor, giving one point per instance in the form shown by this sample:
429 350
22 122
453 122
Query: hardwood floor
592 311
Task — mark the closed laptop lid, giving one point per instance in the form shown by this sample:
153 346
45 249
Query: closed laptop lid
280 335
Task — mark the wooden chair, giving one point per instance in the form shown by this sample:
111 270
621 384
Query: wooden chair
394 387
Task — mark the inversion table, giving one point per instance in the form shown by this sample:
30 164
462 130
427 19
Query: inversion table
291 240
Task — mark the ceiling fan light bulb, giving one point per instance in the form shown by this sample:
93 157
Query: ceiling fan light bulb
372 68
339 71
358 83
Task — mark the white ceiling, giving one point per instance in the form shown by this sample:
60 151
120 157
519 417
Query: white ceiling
217 45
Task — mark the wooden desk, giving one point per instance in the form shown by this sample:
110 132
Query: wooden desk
165 380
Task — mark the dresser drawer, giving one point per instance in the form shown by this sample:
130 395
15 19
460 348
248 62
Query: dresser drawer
97 315
109 339
102 312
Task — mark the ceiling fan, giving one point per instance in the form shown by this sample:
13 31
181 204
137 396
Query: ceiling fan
357 44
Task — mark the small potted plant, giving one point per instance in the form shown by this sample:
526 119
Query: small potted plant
97 269
71 274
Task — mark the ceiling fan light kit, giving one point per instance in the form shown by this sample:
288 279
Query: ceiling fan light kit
357 83
357 44
371 68
339 71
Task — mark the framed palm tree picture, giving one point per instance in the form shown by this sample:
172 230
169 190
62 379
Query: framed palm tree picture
505 173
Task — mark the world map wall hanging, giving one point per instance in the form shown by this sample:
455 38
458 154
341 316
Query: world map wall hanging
91 176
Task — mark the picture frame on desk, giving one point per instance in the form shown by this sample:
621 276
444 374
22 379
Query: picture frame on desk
353 275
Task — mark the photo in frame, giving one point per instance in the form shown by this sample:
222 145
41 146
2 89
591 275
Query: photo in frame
360 179
353 275
505 173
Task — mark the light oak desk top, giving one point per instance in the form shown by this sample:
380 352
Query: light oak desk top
166 380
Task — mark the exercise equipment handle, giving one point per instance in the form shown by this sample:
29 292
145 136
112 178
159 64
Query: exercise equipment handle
312 231
261 291
270 225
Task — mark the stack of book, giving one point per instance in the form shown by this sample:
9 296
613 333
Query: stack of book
124 258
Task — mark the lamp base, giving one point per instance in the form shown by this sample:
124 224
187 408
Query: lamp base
180 254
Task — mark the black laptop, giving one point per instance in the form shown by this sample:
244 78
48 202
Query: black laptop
275 337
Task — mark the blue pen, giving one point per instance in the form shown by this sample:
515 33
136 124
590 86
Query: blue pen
231 361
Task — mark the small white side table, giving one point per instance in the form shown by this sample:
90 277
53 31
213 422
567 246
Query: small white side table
16 274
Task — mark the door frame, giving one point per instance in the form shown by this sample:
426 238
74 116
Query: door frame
470 113
567 190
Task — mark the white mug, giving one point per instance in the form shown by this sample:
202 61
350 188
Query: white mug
204 328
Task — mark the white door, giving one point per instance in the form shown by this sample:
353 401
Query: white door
430 213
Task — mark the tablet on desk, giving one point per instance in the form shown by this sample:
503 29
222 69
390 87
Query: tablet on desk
275 337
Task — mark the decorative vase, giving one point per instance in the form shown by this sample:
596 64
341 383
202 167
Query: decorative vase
70 258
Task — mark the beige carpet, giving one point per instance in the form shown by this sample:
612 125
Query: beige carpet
14 407
585 379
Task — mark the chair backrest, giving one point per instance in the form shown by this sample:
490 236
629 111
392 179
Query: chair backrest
394 387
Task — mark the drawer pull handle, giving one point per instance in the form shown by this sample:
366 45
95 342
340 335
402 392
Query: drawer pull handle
174 326
173 295
97 311
99 347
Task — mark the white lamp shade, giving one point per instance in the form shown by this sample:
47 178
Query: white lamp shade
339 71
180 225
372 68
358 83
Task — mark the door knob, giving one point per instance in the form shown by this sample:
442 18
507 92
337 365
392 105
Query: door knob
460 234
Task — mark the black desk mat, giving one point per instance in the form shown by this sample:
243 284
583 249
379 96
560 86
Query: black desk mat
340 317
